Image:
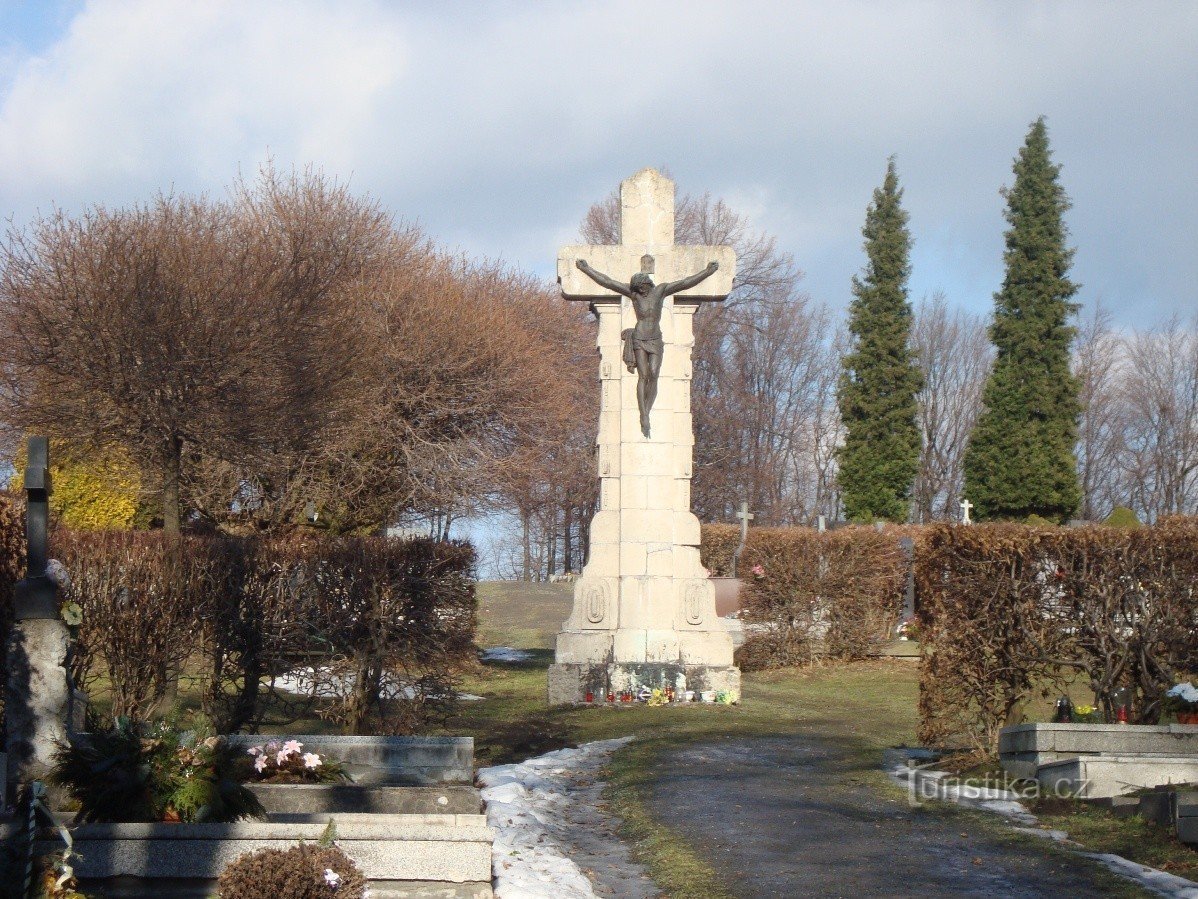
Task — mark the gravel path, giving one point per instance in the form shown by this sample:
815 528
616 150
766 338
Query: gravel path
795 816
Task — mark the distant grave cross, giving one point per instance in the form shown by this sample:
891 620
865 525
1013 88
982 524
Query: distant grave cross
745 517
966 506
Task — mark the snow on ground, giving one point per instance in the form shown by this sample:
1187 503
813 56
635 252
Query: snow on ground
924 783
529 806
305 682
505 654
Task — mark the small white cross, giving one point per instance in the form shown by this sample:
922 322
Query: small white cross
966 506
745 517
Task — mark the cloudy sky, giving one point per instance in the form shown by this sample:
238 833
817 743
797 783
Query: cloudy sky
495 125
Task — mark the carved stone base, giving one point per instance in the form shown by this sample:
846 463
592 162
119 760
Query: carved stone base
569 683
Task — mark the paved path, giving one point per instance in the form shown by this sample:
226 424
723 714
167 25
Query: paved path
793 817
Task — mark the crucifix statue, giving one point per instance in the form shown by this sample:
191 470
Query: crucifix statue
643 344
644 613
966 508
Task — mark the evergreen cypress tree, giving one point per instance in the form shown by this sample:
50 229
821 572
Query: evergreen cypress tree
1021 460
880 381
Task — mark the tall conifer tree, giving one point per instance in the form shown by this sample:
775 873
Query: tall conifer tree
881 380
1020 460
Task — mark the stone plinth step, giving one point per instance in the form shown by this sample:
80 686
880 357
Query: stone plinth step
442 849
397 761
1099 776
338 799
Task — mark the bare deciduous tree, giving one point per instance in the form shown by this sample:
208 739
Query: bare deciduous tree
954 354
1097 364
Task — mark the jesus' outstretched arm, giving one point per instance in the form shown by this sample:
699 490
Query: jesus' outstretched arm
603 280
686 283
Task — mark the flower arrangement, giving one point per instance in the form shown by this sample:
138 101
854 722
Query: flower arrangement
141 772
1086 714
908 629
1182 700
758 572
301 872
286 762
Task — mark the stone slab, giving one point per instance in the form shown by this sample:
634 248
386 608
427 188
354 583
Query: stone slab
443 848
293 799
399 761
1095 777
1127 739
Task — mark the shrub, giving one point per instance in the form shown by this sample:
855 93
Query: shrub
986 641
301 872
143 599
1013 609
718 547
835 595
378 629
12 567
152 772
1122 517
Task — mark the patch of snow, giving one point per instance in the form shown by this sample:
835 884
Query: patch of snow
923 783
320 682
505 654
524 803
1161 882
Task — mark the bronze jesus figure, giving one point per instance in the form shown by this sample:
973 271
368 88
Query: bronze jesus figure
643 344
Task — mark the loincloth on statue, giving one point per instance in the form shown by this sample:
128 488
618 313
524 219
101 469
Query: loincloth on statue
632 343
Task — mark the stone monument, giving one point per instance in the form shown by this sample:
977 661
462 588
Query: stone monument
644 609
38 695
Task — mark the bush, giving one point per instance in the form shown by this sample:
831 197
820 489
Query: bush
1012 609
301 872
1122 517
12 567
378 629
835 595
143 599
718 547
134 772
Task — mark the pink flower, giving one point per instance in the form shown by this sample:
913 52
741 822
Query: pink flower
254 750
311 760
758 571
260 764
282 757
293 746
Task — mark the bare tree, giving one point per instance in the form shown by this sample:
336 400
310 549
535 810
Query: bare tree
1097 361
1160 391
954 355
181 327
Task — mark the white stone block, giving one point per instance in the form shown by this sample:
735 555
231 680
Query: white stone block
633 561
634 492
660 559
686 529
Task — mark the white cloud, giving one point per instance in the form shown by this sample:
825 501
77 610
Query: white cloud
497 124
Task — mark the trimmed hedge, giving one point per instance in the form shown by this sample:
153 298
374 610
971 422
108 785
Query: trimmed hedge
718 547
1009 610
375 629
12 569
831 596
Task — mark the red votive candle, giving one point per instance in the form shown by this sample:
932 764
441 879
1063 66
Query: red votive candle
590 696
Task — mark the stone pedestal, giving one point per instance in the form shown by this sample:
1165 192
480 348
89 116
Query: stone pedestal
644 608
38 699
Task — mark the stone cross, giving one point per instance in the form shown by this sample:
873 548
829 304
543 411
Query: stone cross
745 517
644 609
38 694
966 507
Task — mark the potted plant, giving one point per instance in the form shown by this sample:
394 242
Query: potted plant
141 772
1182 701
285 762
